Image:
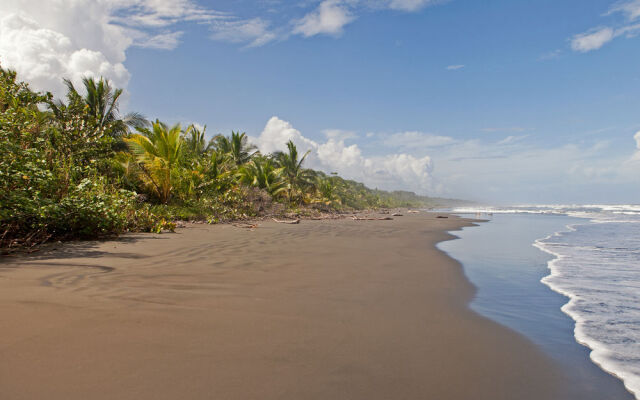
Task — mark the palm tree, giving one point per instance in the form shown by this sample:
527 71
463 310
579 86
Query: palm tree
102 103
261 172
328 192
295 175
237 146
195 142
158 152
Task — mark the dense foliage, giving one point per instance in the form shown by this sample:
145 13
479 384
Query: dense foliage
78 169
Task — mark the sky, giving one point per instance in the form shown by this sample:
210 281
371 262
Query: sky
497 101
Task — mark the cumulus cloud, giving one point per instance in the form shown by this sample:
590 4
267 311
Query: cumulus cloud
43 56
47 40
329 18
511 169
393 171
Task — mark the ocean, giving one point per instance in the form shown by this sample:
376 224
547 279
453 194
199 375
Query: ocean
568 278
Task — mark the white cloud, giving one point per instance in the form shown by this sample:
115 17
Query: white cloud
507 170
277 133
514 170
329 18
159 13
592 40
598 37
393 171
629 31
455 67
630 8
410 5
505 129
43 56
415 140
512 139
163 41
46 40
254 32
636 155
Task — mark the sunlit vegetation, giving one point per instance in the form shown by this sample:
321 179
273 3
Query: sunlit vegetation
77 168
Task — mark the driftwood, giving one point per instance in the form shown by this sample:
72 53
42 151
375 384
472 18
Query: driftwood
371 218
292 222
414 211
247 226
442 216
397 215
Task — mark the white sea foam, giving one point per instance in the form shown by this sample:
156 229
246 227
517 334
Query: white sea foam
594 212
597 266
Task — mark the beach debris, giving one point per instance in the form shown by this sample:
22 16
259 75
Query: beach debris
290 222
413 211
247 226
442 216
371 218
326 216
396 215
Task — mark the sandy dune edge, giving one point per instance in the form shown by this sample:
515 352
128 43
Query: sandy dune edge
322 310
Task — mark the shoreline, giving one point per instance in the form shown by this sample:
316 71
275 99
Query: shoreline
512 291
323 309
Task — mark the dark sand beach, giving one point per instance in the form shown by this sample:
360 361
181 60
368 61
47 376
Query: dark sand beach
337 309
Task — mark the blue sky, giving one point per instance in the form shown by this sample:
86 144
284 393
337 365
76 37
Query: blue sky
509 101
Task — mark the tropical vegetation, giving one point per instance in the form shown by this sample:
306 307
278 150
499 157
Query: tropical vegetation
79 169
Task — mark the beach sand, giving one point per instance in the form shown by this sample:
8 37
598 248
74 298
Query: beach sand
335 309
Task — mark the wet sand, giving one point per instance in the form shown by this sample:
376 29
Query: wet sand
335 309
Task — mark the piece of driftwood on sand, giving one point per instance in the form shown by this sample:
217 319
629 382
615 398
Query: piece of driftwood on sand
291 222
371 218
247 226
328 216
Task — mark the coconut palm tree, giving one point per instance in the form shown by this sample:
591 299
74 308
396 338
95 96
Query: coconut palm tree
237 146
262 172
296 176
195 142
102 103
158 152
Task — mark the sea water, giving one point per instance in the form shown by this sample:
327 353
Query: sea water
590 257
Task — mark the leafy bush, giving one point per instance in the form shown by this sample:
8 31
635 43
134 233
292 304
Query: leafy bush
52 171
